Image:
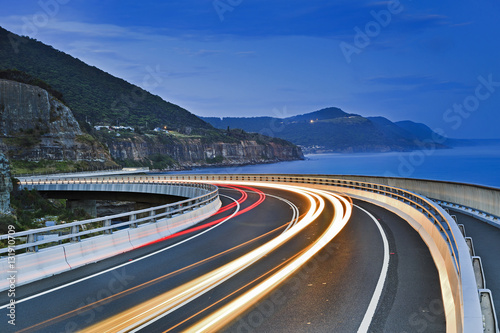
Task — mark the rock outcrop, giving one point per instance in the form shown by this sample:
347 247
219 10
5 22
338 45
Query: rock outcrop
193 152
36 126
25 107
5 185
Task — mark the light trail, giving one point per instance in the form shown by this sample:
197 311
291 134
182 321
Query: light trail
295 209
162 305
146 313
242 199
225 315
234 292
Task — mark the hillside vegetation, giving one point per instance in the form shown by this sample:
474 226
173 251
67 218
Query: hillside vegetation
90 92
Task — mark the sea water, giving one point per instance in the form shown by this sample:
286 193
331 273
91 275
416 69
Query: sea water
475 165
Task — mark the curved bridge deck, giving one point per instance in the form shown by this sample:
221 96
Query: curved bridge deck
376 245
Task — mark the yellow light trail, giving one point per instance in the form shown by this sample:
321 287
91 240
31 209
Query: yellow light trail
149 311
225 315
234 292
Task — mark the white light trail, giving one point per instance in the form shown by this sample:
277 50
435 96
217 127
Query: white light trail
142 315
229 312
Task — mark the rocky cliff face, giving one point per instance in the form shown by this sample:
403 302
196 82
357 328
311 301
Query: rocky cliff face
24 107
36 126
5 185
193 152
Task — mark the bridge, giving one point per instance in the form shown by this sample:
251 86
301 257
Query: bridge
263 253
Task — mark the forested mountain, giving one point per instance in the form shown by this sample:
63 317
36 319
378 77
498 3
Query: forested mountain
332 129
90 92
419 130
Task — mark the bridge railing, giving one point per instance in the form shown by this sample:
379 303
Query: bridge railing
88 172
75 231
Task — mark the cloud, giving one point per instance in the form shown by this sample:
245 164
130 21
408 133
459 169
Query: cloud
76 29
418 83
246 53
197 52
462 24
417 22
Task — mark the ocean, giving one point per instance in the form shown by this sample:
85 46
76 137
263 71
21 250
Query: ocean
475 165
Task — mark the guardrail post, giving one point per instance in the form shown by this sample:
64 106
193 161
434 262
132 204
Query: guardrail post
107 223
152 216
31 239
74 230
133 217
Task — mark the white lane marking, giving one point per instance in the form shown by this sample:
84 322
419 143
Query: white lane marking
370 312
295 216
129 262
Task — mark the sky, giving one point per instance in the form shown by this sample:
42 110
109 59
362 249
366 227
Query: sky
436 62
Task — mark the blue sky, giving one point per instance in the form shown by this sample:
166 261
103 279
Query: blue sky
435 62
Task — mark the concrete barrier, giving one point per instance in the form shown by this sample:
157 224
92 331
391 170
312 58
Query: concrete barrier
30 267
147 233
101 247
490 320
179 223
4 274
57 259
96 248
169 226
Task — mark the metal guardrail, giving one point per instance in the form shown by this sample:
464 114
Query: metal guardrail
44 174
82 173
476 213
424 205
74 231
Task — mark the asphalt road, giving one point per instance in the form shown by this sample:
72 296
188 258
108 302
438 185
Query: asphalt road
330 294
